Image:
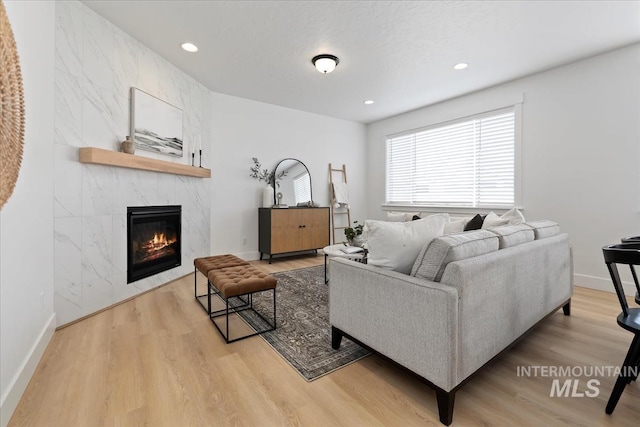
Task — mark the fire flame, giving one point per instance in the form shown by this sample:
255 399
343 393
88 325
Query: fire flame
159 241
159 238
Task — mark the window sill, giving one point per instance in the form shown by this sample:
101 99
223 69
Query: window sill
445 209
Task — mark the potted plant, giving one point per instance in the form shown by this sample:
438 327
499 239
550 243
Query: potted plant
354 234
269 177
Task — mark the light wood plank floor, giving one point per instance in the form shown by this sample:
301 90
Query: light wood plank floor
157 360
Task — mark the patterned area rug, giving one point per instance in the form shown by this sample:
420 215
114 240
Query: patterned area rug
303 334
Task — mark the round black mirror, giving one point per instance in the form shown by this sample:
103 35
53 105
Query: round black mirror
292 185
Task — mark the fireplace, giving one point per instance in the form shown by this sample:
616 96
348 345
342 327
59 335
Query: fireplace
153 240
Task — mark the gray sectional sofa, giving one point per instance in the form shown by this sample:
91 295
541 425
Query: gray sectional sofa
469 297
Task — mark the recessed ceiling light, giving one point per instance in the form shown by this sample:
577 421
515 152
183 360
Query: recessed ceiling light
460 66
368 102
189 47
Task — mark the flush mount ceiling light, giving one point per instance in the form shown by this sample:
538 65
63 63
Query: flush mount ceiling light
460 66
325 63
189 47
368 102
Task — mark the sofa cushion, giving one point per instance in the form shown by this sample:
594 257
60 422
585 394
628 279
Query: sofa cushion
544 228
513 235
395 245
433 258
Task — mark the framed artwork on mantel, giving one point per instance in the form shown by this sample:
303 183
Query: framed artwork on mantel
156 125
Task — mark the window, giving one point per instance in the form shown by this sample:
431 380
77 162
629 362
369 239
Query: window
466 163
301 188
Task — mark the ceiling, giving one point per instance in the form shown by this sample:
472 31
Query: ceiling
398 53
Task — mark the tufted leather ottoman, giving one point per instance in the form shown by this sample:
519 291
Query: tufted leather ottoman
240 280
205 264
236 282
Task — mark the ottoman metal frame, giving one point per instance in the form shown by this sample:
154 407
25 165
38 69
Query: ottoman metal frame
235 309
230 261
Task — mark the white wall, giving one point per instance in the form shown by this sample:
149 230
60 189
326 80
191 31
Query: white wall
580 150
243 129
96 64
26 221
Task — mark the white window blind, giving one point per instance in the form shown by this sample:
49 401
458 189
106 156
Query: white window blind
301 188
468 163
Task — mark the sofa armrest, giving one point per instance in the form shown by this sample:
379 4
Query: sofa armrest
504 293
412 321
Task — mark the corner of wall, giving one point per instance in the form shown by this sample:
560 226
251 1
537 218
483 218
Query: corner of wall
18 384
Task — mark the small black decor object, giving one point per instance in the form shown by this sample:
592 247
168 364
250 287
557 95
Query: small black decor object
200 158
193 157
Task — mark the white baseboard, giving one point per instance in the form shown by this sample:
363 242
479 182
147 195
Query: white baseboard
248 256
601 284
18 385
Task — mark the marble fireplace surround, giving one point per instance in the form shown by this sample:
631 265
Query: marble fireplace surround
90 258
95 65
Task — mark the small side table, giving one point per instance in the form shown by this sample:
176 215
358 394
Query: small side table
334 251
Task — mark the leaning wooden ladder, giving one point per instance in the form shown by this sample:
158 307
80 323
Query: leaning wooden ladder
338 212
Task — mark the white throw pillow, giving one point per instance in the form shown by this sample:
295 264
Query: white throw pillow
400 216
514 216
456 226
396 245
395 216
493 220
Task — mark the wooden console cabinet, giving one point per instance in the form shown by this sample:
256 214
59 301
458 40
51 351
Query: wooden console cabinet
285 231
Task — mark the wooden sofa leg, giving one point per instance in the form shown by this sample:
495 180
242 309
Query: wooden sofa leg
445 405
566 309
336 337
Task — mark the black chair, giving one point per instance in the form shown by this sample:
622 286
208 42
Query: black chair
629 319
634 239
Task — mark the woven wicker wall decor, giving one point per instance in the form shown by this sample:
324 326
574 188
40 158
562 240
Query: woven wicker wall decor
11 110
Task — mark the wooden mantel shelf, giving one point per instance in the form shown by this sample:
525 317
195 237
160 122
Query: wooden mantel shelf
99 156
